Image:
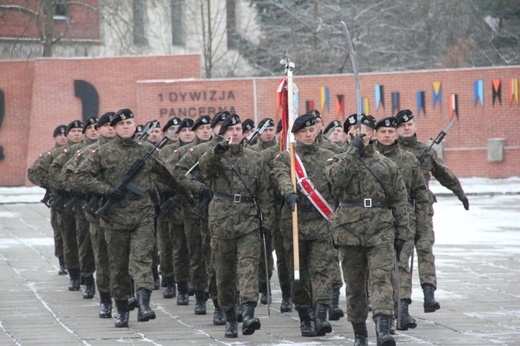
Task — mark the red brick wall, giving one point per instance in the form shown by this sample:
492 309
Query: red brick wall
40 95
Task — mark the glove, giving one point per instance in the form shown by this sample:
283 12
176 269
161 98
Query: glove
357 141
291 200
465 202
398 247
221 147
115 194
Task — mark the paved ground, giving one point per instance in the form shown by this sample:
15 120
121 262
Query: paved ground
478 268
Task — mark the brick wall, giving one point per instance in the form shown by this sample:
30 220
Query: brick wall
40 95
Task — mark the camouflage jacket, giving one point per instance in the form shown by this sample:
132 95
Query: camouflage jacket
352 181
434 165
325 143
104 167
311 224
39 172
227 219
261 145
418 197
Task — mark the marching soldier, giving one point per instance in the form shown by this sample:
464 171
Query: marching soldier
334 132
312 293
424 237
322 140
238 213
370 228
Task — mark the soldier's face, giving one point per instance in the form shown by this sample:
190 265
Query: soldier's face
156 135
61 139
186 135
386 135
235 132
268 134
169 130
319 124
75 135
407 129
91 132
337 135
107 131
125 128
203 132
307 135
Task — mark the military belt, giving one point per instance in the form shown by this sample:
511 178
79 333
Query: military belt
236 198
367 203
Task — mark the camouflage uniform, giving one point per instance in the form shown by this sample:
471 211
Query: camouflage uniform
366 235
325 143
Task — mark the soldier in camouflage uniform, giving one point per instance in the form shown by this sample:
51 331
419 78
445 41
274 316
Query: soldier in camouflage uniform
334 132
129 231
313 292
238 177
370 227
248 127
38 174
321 139
425 238
386 136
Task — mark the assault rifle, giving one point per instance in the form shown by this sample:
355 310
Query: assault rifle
147 131
126 181
257 132
58 200
75 197
47 198
437 140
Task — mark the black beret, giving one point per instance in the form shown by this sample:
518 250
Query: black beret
220 116
404 116
88 122
60 130
139 128
387 122
314 112
122 114
261 123
76 124
186 122
303 121
368 120
279 126
172 122
351 121
248 124
331 125
231 121
202 120
105 118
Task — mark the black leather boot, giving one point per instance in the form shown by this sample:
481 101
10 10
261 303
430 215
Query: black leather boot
183 297
144 314
219 319
90 288
249 322
238 308
200 303
335 312
383 331
74 275
231 324
430 304
62 270
407 321
320 318
132 300
170 291
287 304
307 326
156 278
105 305
360 334
122 311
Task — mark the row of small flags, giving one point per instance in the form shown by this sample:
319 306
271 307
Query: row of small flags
420 96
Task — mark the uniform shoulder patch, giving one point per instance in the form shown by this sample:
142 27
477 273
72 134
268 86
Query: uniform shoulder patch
277 157
330 161
93 152
65 151
78 153
191 150
175 151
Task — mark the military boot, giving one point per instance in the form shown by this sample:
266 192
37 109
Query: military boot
430 304
335 312
105 305
183 297
287 304
320 318
249 322
307 326
122 311
407 321
238 308
90 288
231 324
360 334
74 275
132 300
144 314
200 303
219 319
265 297
170 291
62 270
156 278
383 331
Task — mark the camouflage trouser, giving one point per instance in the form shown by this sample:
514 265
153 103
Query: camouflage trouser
281 256
58 240
208 254
237 260
181 261
335 272
165 244
315 284
404 270
86 255
424 241
376 263
155 254
99 247
197 257
130 249
67 223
